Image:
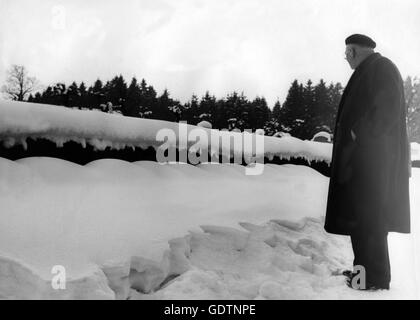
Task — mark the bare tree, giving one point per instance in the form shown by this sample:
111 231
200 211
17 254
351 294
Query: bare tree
18 84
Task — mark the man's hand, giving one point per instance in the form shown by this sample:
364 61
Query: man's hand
353 136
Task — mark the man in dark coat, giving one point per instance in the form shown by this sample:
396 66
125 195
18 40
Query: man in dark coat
369 184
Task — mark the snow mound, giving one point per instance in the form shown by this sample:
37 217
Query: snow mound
267 261
276 260
204 124
105 214
18 281
322 136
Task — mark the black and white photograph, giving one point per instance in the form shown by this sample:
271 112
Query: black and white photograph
224 150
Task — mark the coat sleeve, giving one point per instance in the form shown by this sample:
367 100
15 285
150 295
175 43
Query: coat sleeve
384 107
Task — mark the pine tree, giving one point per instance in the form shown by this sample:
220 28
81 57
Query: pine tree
73 96
293 113
309 109
58 96
207 108
334 91
259 113
221 118
96 95
277 110
115 93
37 97
191 110
133 100
272 126
162 109
84 103
321 109
231 111
151 102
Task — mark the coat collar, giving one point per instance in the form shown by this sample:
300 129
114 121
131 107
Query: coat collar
374 56
362 67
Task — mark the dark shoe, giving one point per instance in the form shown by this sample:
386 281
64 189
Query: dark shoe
339 272
348 273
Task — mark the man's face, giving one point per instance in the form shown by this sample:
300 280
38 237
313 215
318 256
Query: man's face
350 56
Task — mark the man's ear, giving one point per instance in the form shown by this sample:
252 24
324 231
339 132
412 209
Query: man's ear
353 52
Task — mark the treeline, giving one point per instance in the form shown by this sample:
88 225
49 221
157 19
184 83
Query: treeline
307 109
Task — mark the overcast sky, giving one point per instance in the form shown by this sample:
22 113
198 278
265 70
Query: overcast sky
190 46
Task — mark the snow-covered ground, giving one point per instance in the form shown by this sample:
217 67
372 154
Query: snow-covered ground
144 230
148 231
415 151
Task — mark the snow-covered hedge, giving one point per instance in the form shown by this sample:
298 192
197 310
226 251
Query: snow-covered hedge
19 121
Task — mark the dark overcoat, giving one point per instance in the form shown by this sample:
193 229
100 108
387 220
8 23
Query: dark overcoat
370 168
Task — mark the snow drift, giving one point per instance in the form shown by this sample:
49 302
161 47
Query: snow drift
103 215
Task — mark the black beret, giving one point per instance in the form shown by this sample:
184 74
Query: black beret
362 40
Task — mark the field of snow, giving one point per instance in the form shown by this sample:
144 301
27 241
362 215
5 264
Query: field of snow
144 230
149 231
